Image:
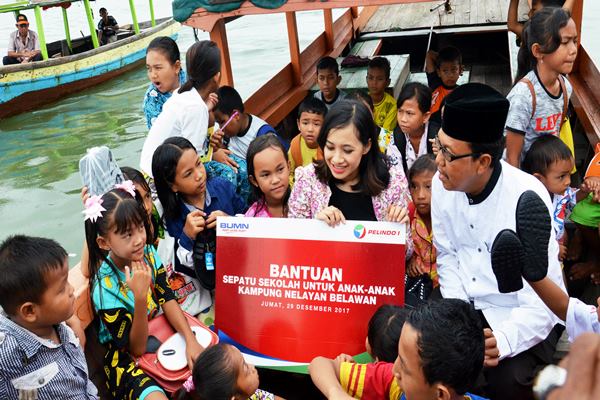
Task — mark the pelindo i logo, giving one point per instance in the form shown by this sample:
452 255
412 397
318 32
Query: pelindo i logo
359 231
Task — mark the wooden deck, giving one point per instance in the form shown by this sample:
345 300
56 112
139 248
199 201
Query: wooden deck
463 12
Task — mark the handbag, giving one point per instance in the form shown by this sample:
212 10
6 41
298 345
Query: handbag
417 290
204 257
159 331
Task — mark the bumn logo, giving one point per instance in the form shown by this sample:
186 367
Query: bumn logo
359 231
234 226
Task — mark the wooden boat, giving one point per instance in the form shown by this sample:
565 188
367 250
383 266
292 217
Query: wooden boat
71 65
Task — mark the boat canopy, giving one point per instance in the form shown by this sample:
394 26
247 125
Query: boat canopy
12 6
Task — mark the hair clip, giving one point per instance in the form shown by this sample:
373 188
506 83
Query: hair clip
188 385
127 186
93 208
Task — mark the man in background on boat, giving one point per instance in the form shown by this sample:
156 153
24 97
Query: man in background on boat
23 45
107 28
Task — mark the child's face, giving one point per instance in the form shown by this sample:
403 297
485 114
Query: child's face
420 191
343 152
247 376
563 58
449 72
190 175
377 81
272 174
57 304
233 128
125 246
407 368
309 125
163 74
410 117
146 197
558 176
328 80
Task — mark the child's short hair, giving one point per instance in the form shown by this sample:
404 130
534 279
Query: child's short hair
425 163
312 105
449 54
384 332
328 63
229 100
24 263
381 63
450 342
421 93
544 151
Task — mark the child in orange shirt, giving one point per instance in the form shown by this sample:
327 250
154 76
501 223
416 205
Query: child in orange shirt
443 70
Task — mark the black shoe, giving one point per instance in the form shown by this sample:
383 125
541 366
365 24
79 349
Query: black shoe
533 228
508 258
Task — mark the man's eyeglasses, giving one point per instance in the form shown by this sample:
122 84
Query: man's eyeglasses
22 25
448 156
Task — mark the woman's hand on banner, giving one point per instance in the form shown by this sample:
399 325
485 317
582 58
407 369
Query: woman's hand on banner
397 214
332 216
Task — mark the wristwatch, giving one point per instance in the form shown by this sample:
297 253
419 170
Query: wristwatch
549 378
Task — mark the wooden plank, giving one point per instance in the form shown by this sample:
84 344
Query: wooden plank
367 48
292 30
586 102
219 36
328 22
421 77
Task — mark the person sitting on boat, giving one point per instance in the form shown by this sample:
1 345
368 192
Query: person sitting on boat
517 27
107 28
40 356
163 64
443 69
23 45
384 105
328 78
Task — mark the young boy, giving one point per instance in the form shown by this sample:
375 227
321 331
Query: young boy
443 70
40 357
328 78
433 361
304 148
384 105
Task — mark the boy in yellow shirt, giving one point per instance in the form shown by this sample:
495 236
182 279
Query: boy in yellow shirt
378 79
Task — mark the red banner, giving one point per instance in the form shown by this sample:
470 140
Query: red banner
289 290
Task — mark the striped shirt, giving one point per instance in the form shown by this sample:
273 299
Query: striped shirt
15 43
32 367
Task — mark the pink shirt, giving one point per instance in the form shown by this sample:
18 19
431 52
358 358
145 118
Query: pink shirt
258 210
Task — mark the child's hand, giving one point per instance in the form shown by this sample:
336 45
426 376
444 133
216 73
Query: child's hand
562 252
75 324
211 221
212 101
434 147
138 279
194 224
222 156
192 351
492 354
431 61
344 358
216 139
85 194
413 269
397 214
332 216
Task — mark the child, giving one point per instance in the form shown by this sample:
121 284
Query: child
538 103
433 361
378 79
191 203
186 113
443 70
163 65
353 181
304 148
328 78
269 175
517 27
423 260
129 286
143 188
221 373
41 357
415 132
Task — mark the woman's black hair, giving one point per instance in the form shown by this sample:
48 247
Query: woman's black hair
384 332
425 163
203 62
256 146
373 168
544 151
122 212
167 46
544 29
418 91
164 166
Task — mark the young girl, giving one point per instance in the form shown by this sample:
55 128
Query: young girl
128 286
165 74
142 187
353 181
423 260
220 373
186 113
191 205
539 101
415 131
269 174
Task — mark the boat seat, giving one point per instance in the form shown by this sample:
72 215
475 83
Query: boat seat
367 48
421 77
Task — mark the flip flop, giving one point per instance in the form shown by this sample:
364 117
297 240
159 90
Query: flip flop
533 228
508 258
